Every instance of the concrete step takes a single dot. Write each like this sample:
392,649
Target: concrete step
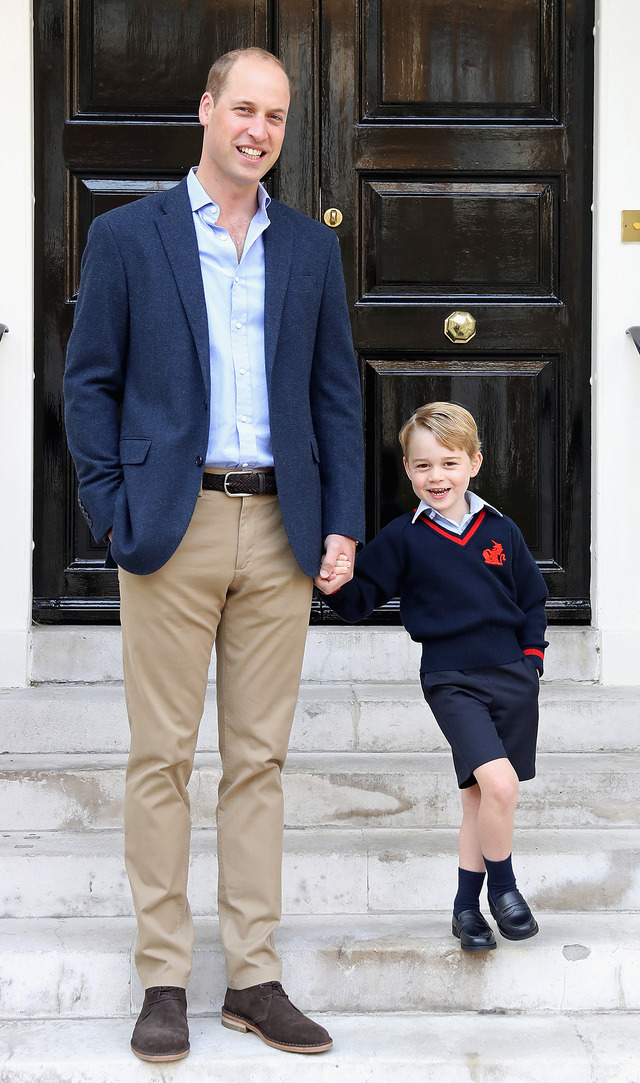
335,652
470,1048
330,717
328,790
373,871
82,967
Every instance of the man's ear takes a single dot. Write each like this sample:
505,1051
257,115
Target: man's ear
476,463
206,105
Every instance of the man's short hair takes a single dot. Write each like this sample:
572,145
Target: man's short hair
451,424
219,70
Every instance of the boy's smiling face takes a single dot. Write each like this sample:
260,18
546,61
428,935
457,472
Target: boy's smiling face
440,475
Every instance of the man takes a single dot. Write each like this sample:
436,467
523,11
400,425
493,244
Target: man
212,399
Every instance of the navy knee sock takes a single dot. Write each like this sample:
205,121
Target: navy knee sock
500,878
469,888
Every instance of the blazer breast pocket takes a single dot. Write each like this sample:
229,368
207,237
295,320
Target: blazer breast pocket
134,450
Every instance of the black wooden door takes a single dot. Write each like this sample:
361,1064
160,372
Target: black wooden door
456,141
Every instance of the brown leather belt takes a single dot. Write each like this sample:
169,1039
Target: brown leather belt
241,482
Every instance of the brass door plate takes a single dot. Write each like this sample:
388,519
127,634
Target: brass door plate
631,225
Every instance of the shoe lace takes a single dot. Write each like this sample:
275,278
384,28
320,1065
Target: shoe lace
167,992
275,989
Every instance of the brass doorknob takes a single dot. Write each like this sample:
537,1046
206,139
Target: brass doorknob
460,327
333,217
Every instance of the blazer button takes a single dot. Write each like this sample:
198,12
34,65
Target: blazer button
199,460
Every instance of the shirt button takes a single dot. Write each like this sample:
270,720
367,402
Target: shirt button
238,325
236,279
243,418
242,372
199,460
245,464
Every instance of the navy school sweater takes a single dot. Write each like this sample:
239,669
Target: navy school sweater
471,600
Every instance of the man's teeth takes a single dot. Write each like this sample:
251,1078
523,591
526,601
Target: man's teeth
250,152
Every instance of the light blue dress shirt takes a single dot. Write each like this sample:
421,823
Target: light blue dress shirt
475,502
239,430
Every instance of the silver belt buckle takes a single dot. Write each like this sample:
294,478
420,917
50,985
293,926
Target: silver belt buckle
230,473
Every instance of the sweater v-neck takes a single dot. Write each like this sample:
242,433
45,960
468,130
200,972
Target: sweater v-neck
458,539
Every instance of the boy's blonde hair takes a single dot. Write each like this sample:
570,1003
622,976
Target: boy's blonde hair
451,424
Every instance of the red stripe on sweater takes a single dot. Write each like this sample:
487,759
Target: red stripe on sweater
454,537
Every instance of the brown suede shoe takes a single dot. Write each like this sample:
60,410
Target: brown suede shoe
162,1031
267,1010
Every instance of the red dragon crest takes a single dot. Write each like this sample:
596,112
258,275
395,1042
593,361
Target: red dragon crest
496,555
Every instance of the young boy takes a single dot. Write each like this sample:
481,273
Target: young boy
472,594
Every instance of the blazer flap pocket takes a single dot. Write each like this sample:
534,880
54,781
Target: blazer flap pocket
134,449
314,449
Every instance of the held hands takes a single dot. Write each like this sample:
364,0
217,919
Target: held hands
337,563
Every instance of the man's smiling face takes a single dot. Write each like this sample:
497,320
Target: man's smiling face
244,130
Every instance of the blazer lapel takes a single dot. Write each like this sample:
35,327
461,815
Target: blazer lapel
178,235
278,252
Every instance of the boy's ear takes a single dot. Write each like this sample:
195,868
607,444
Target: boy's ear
406,466
476,463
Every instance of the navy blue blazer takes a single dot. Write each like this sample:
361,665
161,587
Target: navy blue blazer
137,381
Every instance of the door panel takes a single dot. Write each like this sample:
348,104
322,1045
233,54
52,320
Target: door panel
474,58
480,239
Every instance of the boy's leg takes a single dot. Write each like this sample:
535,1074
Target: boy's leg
468,923
469,848
499,795
499,788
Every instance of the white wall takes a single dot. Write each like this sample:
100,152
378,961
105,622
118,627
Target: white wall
616,382
16,348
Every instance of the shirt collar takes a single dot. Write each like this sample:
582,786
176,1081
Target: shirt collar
476,504
199,198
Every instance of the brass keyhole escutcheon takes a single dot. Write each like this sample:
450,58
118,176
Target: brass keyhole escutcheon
333,217
460,327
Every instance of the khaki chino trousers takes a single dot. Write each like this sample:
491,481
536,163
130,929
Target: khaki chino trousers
235,582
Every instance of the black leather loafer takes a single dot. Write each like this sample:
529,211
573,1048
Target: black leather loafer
472,931
162,1032
514,918
267,1010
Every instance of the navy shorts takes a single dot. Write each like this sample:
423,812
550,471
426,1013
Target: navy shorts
487,714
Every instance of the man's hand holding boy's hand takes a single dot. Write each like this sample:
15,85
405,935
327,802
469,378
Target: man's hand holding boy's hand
337,563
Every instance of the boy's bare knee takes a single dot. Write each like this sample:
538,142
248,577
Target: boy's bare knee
499,784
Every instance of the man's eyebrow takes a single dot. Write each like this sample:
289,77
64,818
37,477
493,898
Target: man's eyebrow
246,101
